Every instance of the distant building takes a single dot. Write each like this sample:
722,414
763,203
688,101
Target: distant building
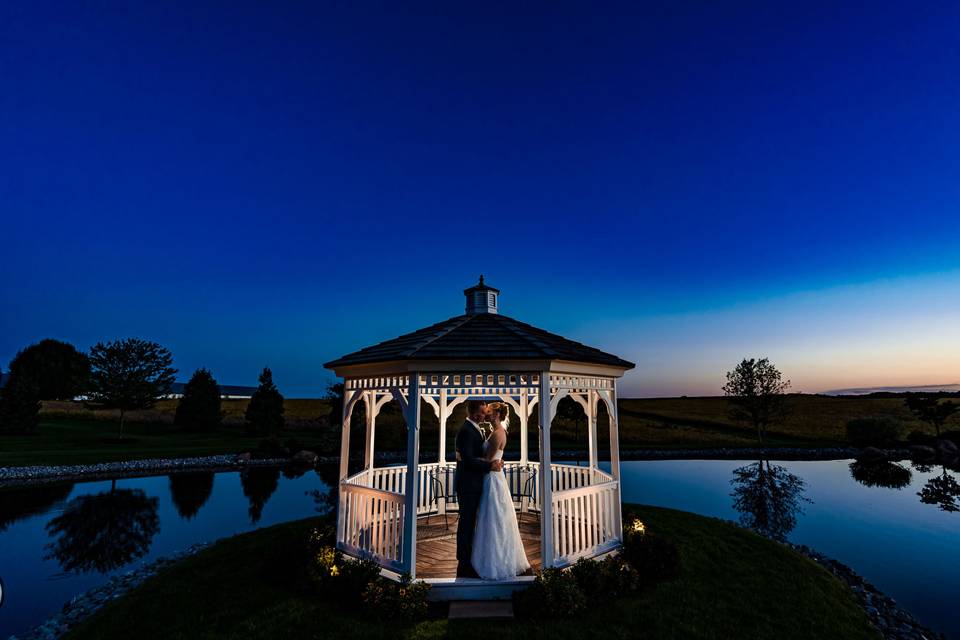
227,391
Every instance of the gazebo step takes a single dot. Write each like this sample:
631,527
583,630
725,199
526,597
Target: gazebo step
460,609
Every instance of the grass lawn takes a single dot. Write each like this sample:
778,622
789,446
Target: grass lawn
733,584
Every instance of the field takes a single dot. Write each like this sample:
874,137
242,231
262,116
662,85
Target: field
71,433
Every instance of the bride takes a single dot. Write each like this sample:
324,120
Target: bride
497,548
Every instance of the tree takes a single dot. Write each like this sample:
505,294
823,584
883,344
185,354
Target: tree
570,410
929,409
105,531
199,408
57,368
189,491
335,397
757,394
129,374
943,491
768,498
265,411
19,405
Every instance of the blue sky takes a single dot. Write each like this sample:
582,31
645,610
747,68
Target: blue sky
682,183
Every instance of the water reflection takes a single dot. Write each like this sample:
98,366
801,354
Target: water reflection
189,491
890,475
104,531
942,490
18,504
768,498
259,483
325,500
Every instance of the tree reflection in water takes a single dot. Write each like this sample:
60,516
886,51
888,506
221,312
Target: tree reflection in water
258,484
105,531
189,491
768,498
942,490
880,474
23,502
325,500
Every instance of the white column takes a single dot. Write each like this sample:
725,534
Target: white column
345,433
410,490
370,404
523,418
615,458
442,416
546,479
592,427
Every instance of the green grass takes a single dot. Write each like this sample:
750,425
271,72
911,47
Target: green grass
733,584
70,433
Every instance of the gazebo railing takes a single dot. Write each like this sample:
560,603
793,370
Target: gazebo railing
370,523
585,521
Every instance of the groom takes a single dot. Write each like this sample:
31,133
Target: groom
471,467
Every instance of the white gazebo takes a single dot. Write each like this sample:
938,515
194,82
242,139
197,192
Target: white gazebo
385,513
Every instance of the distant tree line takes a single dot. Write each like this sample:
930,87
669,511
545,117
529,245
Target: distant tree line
129,374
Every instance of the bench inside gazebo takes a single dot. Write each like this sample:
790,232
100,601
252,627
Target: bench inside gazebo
404,516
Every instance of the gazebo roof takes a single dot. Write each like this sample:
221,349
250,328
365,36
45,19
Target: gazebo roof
480,336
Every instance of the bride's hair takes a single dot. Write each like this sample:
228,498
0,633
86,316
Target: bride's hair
502,409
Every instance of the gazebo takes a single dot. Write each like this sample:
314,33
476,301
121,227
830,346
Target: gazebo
384,512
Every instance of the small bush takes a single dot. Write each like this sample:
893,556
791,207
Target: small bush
553,594
654,558
403,601
874,432
601,580
952,435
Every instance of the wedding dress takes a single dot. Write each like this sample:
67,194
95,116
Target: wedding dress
497,548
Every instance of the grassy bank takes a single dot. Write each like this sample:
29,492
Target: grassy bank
70,433
732,584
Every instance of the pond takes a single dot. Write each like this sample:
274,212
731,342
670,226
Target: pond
60,539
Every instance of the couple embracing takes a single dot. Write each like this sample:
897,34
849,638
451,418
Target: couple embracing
488,537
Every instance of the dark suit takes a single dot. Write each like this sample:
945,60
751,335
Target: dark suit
471,468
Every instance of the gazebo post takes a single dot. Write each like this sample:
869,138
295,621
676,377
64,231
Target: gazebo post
523,418
410,489
345,433
592,427
615,458
442,416
546,475
370,404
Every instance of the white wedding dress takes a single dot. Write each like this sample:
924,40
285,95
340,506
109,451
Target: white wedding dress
497,548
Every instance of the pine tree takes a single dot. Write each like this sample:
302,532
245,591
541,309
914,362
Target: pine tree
265,411
199,408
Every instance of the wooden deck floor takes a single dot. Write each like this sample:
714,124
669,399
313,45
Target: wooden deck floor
437,546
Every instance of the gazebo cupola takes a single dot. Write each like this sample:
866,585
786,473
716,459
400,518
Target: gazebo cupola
383,512
481,298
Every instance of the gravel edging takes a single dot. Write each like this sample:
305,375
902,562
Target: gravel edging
19,476
891,621
89,602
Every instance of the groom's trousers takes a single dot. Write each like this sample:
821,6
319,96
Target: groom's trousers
466,524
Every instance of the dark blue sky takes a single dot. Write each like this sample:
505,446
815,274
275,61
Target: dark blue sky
682,183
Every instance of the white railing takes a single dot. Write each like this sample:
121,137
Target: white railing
370,518
370,524
585,521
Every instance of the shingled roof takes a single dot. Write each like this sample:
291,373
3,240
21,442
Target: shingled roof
481,336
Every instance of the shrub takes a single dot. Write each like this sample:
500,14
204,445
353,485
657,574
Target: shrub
654,558
952,435
601,580
403,601
19,405
921,437
553,594
874,431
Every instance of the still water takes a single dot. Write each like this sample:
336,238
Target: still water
58,540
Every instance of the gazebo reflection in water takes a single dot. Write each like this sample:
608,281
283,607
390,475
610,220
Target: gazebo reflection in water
401,516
